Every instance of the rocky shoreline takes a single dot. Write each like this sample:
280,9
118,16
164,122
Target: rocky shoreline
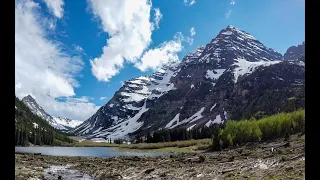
274,160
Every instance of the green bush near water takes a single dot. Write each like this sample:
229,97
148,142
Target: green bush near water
267,128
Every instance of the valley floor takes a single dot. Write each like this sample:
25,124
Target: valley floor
273,160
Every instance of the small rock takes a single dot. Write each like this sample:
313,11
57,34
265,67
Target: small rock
231,158
148,171
289,168
202,158
59,177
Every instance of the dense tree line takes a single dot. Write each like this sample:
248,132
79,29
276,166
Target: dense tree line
118,141
37,136
179,134
235,133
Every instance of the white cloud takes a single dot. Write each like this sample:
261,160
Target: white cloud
78,49
232,3
228,14
56,7
165,52
189,3
42,68
103,98
128,25
192,31
157,17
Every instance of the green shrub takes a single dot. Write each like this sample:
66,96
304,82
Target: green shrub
271,127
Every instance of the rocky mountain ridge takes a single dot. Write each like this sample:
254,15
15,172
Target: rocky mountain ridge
233,76
60,123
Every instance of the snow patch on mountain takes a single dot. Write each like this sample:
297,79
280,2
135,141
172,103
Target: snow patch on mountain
189,128
214,74
217,120
191,119
122,129
213,107
67,122
245,67
175,119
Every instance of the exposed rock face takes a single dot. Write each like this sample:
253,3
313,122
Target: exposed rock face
233,76
295,52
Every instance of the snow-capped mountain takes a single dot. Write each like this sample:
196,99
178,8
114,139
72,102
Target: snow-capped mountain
60,123
226,79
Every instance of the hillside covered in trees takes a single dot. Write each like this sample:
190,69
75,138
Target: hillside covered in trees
30,128
234,133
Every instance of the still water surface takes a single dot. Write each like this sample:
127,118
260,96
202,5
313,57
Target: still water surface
84,151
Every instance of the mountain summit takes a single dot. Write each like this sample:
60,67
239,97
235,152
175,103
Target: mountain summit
57,122
232,77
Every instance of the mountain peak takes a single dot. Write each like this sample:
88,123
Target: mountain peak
295,52
231,27
29,97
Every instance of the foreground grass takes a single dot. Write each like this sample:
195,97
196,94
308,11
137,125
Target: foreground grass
176,146
166,149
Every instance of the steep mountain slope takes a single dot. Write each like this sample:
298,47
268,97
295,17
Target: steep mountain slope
60,123
233,76
32,128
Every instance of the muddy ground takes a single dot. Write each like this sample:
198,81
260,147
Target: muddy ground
273,160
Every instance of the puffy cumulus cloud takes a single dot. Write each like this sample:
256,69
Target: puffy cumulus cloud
42,68
192,31
157,17
165,52
189,2
56,7
128,25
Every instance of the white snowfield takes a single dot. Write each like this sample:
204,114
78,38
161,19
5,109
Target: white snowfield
245,67
214,74
217,120
67,122
122,129
191,119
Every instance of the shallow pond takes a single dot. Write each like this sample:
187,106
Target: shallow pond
84,151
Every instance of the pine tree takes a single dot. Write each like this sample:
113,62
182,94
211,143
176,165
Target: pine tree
20,137
26,137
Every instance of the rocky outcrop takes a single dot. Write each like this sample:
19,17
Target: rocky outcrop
295,52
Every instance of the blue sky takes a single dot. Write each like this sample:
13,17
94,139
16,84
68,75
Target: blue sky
59,44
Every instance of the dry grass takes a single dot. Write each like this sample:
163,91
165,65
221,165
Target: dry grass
178,144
